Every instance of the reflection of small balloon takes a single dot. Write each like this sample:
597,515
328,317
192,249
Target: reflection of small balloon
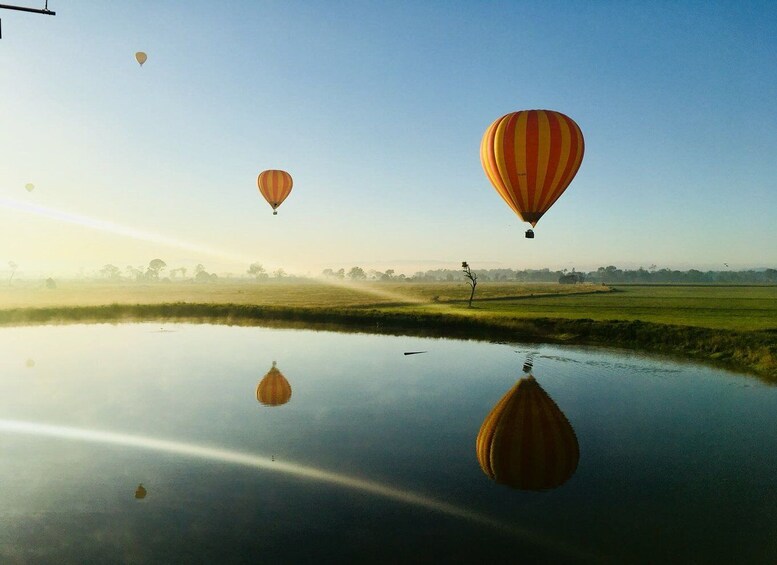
30,363
526,442
29,187
273,389
140,492
275,186
141,57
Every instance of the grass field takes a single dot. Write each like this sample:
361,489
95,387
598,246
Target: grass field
306,293
735,325
741,308
719,307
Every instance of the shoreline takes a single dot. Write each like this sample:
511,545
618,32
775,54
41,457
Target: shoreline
752,352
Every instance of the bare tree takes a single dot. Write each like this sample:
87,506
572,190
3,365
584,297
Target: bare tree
473,280
13,266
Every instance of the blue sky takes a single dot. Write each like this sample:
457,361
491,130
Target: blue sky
377,111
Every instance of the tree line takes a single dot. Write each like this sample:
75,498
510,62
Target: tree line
606,275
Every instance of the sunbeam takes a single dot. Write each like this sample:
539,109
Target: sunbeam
118,229
287,468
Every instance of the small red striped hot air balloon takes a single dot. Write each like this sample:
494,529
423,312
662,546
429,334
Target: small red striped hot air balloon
275,186
526,442
530,157
273,389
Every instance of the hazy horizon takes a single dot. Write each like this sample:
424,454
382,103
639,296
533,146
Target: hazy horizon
377,111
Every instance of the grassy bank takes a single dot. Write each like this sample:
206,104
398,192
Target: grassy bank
752,351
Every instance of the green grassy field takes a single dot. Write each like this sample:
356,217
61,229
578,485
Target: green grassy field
719,307
306,293
734,325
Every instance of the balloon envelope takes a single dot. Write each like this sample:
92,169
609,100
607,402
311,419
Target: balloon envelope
273,389
275,186
526,442
530,157
140,492
141,57
29,187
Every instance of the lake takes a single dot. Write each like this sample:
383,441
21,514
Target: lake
147,443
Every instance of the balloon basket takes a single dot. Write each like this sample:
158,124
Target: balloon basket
274,212
529,234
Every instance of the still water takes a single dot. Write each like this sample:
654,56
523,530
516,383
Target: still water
135,443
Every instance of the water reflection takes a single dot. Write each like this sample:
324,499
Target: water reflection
273,389
140,492
526,442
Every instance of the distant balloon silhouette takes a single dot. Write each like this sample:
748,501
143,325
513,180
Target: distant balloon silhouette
273,389
29,187
140,492
275,187
526,442
141,57
30,363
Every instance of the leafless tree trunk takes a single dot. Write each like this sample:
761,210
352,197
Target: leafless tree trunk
473,280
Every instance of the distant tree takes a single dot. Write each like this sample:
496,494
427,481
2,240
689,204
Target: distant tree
279,273
472,280
155,267
50,284
134,273
388,275
13,266
257,271
357,274
111,272
340,273
328,273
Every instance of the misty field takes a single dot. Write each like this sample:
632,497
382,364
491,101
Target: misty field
742,308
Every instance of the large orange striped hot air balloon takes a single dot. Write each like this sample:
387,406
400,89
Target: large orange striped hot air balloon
526,442
273,389
275,186
530,157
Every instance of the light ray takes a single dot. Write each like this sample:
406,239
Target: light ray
119,229
287,468
372,291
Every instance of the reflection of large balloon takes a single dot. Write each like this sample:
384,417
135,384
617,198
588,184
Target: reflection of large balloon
275,186
526,442
140,492
273,389
530,157
141,57
29,187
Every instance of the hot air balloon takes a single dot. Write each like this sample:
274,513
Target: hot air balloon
140,492
141,57
530,157
273,389
275,186
29,187
526,442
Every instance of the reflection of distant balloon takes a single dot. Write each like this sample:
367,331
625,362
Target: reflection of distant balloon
140,492
141,57
275,186
273,389
30,363
526,442
29,187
